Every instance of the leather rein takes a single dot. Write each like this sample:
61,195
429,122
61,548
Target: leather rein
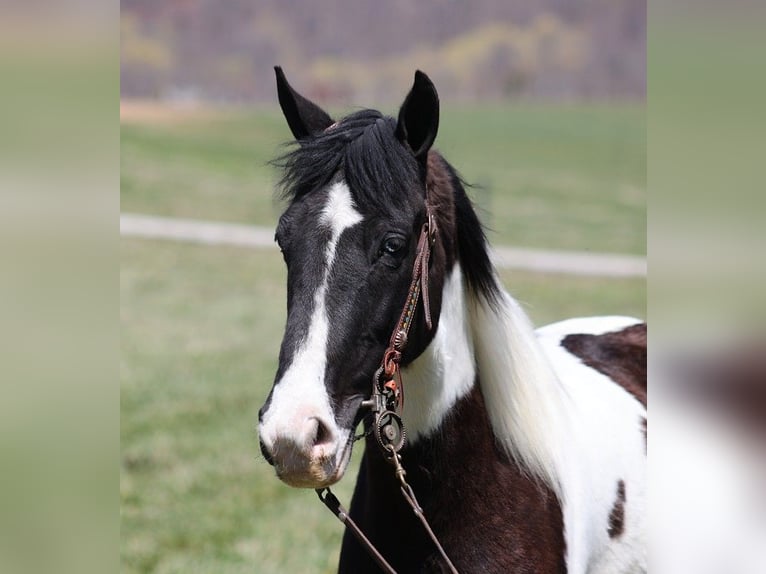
387,398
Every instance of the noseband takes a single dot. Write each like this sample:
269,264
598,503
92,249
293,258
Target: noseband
387,396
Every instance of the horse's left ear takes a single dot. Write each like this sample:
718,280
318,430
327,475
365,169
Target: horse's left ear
304,117
419,116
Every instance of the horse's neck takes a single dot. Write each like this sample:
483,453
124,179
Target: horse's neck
496,344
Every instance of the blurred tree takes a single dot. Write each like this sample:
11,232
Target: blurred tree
367,50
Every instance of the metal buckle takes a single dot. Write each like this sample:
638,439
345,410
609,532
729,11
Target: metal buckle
431,227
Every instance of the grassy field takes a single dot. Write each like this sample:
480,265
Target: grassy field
564,178
201,326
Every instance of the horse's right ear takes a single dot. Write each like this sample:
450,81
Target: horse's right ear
419,116
304,117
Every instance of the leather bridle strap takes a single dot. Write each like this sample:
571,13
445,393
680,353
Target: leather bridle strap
419,283
385,399
332,502
418,288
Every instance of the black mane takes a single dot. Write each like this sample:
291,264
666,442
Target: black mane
380,171
472,244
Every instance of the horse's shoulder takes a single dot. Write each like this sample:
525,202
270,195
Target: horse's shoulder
614,346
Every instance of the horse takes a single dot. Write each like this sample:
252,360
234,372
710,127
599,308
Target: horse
525,449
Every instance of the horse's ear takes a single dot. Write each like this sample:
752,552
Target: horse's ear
303,116
419,116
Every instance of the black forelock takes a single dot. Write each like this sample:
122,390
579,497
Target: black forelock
376,166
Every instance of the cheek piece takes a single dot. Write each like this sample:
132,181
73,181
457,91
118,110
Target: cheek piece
387,386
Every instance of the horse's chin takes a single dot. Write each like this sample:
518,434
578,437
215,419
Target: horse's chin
319,473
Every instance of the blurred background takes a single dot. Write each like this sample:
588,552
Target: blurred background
543,109
365,51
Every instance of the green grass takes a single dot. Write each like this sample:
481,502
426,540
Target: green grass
561,178
201,328
206,169
549,177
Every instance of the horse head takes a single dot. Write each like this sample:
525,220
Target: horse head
357,191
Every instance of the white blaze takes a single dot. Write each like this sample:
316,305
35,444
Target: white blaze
301,394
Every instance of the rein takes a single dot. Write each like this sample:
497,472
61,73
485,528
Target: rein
387,398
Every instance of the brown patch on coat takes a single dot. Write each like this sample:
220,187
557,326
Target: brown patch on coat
617,516
620,355
486,511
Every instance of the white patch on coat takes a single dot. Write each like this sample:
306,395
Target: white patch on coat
444,372
301,393
605,444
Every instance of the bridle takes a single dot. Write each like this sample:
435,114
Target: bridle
387,397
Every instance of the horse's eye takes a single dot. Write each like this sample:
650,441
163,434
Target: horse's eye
392,245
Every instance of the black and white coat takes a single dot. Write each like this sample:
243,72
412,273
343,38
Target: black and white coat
526,448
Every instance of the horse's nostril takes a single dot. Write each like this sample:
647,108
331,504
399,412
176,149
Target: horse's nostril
322,433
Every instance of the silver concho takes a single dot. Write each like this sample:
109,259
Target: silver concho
389,430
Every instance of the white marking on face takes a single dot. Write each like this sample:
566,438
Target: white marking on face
338,214
445,372
300,396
